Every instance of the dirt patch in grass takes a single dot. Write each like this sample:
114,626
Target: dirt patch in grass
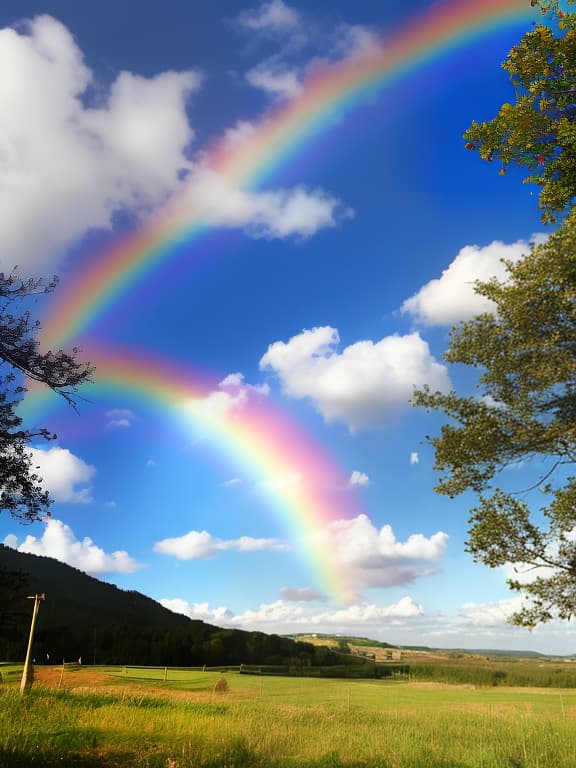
82,681
52,677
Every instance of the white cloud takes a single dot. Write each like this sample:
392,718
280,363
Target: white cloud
490,614
232,482
475,625
282,616
274,16
11,541
120,418
300,594
201,545
450,298
368,613
270,214
232,395
219,616
235,382
363,386
414,458
58,541
354,41
359,479
239,134
278,81
302,44
67,166
65,476
371,557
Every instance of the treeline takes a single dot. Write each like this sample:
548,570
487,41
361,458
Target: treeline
118,644
84,618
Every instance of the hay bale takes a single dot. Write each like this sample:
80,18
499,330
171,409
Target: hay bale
221,685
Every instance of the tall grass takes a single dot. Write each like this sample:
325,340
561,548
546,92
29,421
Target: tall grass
501,672
278,723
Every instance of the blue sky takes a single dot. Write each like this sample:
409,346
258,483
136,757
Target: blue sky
333,305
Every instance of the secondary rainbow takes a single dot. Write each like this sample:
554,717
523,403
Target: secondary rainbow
305,486
328,94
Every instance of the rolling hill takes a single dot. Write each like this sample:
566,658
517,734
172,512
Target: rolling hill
83,617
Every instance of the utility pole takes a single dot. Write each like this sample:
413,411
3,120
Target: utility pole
26,676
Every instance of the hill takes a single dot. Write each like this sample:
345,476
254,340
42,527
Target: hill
83,617
381,651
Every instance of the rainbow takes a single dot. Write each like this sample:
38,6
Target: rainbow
254,436
328,94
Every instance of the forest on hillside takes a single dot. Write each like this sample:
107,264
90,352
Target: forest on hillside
84,618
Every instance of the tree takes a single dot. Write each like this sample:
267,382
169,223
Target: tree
538,131
524,411
21,492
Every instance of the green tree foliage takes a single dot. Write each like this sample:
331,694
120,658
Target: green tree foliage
538,131
21,492
524,411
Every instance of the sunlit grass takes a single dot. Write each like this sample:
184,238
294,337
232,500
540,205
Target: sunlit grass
286,722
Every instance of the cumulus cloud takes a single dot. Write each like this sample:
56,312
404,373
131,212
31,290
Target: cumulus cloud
219,616
363,386
300,594
277,213
120,418
65,476
286,616
274,16
59,541
450,298
359,479
201,545
372,557
67,165
490,614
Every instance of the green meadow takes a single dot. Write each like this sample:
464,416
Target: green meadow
134,717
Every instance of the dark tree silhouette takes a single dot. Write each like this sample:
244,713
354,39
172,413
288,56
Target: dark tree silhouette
21,492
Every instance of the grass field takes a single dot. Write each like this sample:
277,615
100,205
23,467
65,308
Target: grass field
116,717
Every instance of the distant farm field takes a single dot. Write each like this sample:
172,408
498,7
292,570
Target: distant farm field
114,717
